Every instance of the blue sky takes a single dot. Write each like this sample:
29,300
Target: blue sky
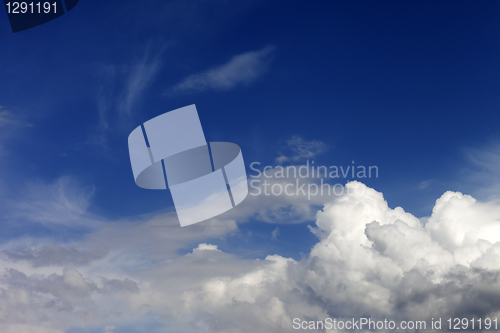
411,87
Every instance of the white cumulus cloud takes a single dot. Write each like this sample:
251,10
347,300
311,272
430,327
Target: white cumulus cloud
370,260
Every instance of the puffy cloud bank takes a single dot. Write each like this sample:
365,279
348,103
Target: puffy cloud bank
369,261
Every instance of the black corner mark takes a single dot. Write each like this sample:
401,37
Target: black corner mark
70,4
28,14
31,13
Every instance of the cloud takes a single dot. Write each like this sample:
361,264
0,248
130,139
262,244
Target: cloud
484,177
120,88
206,247
242,69
424,184
10,127
64,202
42,303
265,202
275,233
8,119
109,329
141,76
370,260
300,150
56,255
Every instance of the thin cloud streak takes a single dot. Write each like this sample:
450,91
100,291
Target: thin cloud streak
485,176
7,118
141,76
120,90
242,69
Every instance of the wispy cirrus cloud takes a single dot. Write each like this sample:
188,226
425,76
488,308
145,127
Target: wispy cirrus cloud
242,69
10,125
141,76
7,118
275,233
484,177
58,206
424,184
121,87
